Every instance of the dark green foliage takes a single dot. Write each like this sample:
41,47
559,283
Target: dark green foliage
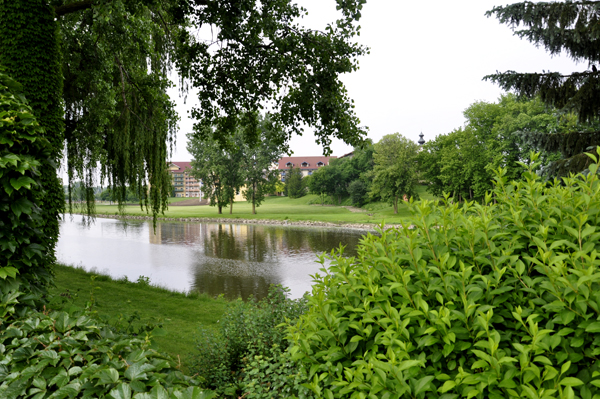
359,193
472,301
560,27
60,354
29,49
295,184
335,179
247,356
260,52
24,154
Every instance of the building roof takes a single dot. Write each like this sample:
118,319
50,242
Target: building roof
297,162
183,166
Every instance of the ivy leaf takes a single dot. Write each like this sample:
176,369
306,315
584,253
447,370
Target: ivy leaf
107,376
23,181
121,391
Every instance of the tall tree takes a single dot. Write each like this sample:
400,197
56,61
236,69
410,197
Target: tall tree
395,172
211,165
569,27
319,183
294,183
259,157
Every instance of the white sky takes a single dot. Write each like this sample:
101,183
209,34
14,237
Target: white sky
426,67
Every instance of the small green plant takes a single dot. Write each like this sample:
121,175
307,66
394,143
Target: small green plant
247,356
143,281
465,300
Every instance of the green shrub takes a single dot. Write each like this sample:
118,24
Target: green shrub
60,355
465,300
247,355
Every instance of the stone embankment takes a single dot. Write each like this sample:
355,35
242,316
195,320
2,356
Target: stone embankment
306,223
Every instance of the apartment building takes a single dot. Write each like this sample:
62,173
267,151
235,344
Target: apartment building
184,184
306,164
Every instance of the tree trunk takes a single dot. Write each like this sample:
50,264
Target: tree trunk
220,210
339,200
396,204
231,206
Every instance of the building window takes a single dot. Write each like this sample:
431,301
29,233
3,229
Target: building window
304,164
319,164
289,164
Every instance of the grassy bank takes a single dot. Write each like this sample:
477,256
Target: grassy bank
117,300
282,208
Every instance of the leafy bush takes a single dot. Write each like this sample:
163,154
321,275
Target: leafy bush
465,300
61,355
247,355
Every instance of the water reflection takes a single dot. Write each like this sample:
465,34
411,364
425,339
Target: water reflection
234,260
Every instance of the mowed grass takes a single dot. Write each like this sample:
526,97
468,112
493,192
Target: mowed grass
181,314
282,208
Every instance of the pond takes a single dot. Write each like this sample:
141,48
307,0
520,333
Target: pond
237,260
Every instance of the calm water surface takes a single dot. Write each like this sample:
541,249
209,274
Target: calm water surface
236,260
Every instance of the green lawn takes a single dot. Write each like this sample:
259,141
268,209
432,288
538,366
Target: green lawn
281,208
180,314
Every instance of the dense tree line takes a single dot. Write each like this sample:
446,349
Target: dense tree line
462,163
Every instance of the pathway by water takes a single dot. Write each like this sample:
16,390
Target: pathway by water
234,260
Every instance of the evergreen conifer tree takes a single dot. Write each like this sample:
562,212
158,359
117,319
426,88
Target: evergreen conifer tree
573,28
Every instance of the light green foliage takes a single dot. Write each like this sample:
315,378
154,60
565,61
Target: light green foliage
465,301
495,135
395,171
258,158
247,356
295,183
60,354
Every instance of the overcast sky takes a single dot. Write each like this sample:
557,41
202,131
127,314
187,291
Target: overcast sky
425,68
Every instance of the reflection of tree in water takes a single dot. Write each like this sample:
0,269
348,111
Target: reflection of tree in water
234,279
240,242
221,242
326,240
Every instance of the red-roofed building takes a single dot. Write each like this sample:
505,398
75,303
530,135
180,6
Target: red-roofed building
184,184
306,164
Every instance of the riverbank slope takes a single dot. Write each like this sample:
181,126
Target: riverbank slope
121,301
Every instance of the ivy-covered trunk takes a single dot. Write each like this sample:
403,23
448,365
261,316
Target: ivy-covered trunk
29,50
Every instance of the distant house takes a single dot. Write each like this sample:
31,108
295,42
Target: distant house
184,184
306,164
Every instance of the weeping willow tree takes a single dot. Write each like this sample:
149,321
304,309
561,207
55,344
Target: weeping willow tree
95,73
573,28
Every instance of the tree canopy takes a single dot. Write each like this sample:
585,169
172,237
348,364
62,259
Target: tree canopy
395,169
571,28
462,163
